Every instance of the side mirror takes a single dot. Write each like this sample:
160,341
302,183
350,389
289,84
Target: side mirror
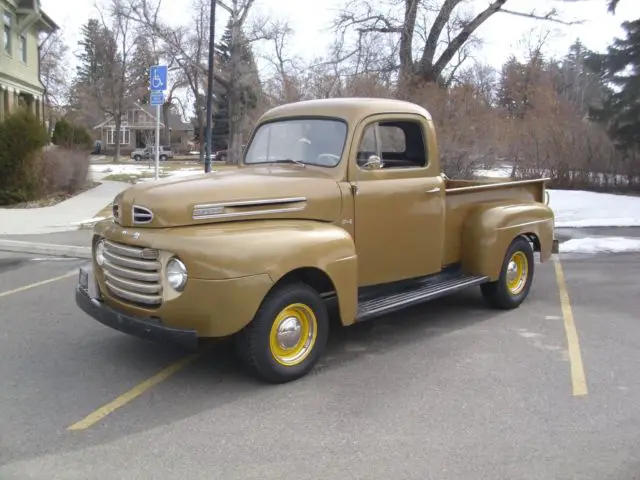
373,163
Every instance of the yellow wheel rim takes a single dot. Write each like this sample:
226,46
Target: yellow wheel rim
293,334
517,272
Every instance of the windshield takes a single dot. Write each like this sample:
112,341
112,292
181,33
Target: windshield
305,141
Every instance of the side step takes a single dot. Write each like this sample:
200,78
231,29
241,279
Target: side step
384,304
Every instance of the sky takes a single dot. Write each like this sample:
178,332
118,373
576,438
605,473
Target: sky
502,34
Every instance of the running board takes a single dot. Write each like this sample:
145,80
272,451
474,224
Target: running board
389,303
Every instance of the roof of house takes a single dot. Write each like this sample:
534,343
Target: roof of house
175,122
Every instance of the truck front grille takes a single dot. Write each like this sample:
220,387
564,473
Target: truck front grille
133,274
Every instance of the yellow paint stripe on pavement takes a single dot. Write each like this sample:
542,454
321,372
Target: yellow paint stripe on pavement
38,284
135,392
578,378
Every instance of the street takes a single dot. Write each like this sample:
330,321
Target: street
449,390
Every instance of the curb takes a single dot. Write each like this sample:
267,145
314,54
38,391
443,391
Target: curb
73,251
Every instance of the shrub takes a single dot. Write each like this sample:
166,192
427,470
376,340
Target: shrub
67,134
22,136
65,170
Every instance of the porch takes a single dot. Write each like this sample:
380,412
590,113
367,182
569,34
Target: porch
12,98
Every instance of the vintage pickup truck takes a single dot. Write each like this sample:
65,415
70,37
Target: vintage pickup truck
338,209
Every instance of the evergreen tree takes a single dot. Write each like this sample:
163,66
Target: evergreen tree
577,83
220,117
141,60
620,67
245,84
91,66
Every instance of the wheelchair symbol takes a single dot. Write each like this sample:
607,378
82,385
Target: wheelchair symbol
158,78
156,82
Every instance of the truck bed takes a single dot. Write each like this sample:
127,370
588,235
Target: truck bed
461,196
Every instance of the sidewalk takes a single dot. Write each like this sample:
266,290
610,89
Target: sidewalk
65,216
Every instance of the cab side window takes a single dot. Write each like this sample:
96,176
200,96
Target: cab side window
399,143
368,145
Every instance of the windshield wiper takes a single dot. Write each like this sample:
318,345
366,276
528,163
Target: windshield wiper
288,160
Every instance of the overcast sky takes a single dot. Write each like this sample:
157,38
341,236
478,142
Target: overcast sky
502,34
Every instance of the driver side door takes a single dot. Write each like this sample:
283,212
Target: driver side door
399,208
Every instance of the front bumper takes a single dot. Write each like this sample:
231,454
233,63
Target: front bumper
134,326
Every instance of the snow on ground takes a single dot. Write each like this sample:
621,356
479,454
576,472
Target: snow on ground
581,209
600,245
502,171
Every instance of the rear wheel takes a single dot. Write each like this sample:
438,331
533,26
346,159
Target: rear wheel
163,158
287,335
137,158
516,276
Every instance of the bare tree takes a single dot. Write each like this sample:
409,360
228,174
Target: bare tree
53,74
399,18
116,91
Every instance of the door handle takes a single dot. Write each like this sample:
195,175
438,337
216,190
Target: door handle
433,190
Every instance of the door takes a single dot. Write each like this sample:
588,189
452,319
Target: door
399,207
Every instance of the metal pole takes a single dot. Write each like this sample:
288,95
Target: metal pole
157,141
212,32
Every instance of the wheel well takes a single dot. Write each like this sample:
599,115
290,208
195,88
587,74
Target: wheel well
533,238
322,283
314,277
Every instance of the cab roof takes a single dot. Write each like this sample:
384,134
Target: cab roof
348,108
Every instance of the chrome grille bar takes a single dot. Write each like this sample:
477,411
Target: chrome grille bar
123,261
135,297
133,274
131,285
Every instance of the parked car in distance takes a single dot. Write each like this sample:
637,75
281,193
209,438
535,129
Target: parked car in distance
150,153
338,209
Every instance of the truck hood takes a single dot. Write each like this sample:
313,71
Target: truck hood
230,195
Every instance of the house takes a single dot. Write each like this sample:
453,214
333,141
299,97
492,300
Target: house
138,130
22,23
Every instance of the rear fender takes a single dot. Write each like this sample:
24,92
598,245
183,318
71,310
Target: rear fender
489,229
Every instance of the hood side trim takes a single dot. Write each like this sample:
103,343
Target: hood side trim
217,210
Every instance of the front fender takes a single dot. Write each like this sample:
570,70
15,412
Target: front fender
490,228
241,249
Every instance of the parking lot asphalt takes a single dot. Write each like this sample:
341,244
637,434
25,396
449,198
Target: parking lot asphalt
447,390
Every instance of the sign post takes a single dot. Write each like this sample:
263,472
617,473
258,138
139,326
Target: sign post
158,85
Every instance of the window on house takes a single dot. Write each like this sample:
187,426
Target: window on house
7,20
23,48
124,137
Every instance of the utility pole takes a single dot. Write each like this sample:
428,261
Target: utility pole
212,31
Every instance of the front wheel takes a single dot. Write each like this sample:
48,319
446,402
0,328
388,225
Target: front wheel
287,335
516,276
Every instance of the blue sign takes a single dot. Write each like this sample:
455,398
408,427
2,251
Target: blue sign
157,98
158,78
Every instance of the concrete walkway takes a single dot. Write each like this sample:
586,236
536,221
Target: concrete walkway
64,216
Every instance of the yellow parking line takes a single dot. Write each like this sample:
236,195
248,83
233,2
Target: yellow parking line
37,284
578,378
135,392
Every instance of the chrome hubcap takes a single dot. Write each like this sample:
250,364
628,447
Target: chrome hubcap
289,332
512,272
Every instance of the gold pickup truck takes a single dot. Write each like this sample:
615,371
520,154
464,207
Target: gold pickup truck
339,209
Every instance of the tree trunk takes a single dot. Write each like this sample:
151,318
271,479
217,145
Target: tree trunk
116,155
234,96
166,137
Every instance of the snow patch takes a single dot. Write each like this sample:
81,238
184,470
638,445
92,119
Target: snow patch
600,245
581,209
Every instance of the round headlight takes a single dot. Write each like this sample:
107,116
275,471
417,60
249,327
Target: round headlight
176,274
100,252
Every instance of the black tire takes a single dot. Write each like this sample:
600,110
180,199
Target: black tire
163,158
254,343
500,294
137,158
